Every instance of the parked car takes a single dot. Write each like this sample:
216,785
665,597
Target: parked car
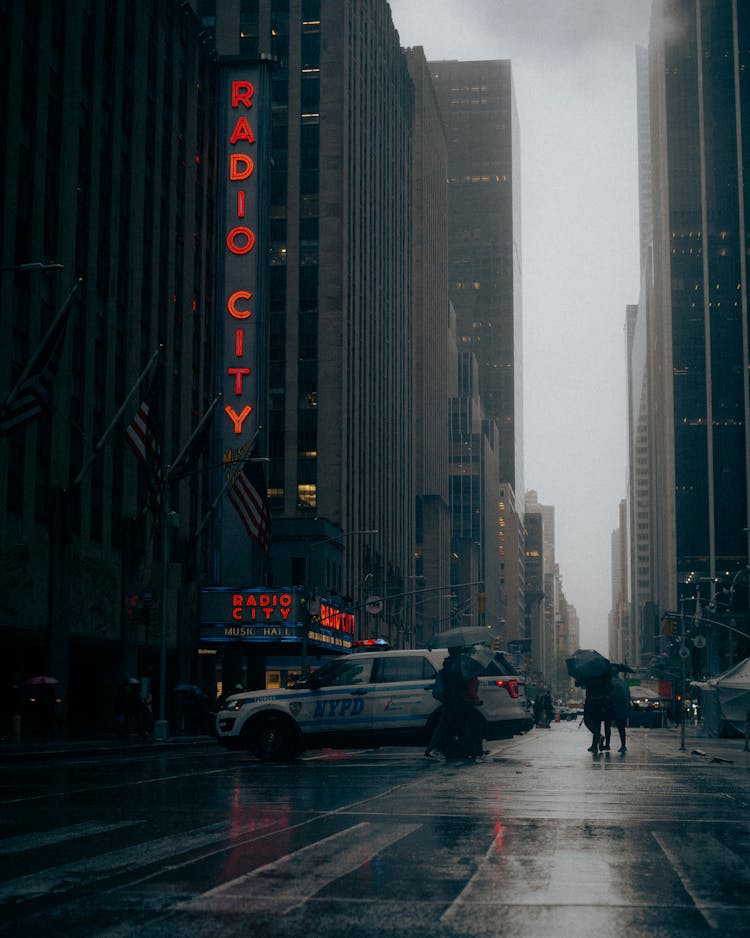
364,699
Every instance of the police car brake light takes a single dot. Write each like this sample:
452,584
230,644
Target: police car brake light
511,686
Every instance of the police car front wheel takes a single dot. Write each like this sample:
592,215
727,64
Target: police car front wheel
274,739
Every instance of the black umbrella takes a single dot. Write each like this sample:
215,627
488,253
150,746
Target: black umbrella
461,638
474,661
586,665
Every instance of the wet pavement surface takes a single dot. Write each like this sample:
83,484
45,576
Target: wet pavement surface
542,839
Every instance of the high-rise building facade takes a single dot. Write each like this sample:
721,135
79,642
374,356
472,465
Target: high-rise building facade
107,168
340,429
699,414
431,356
477,102
478,108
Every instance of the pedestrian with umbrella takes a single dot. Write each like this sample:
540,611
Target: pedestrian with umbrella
618,709
461,727
592,671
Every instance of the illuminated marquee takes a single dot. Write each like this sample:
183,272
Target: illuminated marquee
272,615
336,619
241,264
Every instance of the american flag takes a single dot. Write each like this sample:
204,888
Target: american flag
30,398
249,497
142,436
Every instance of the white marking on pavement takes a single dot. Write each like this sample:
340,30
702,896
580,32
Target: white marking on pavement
59,835
289,882
58,879
704,867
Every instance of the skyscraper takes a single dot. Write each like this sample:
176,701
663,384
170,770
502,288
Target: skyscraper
478,107
341,476
696,302
477,102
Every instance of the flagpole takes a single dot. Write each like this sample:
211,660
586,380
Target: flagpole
194,436
97,449
41,348
161,726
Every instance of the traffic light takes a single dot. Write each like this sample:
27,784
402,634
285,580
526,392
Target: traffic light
670,628
133,610
481,603
496,644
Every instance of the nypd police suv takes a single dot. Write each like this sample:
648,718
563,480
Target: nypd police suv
364,699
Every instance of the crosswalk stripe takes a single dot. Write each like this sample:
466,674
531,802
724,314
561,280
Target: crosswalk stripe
289,882
58,879
59,835
708,870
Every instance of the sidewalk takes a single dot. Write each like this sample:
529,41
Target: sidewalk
12,752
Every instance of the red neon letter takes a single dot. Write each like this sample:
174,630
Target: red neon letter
242,131
239,313
240,204
238,419
234,247
238,373
235,171
239,338
242,93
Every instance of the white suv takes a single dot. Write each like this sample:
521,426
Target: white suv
363,699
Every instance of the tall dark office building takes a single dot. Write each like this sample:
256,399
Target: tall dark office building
106,167
341,476
478,106
697,299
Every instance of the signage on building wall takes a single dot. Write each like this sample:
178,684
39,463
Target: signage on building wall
250,606
269,615
241,213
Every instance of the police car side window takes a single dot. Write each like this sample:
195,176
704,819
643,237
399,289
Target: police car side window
406,668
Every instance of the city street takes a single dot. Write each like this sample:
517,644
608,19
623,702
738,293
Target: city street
542,839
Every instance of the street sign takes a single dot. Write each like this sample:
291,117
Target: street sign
699,641
684,651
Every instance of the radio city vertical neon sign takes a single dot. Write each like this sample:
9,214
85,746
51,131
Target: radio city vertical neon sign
241,215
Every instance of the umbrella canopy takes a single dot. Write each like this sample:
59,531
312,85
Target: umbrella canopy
586,665
475,660
42,679
460,638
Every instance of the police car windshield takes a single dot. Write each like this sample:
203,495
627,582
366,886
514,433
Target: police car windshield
349,670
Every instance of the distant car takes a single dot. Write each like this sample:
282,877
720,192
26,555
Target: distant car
645,711
364,699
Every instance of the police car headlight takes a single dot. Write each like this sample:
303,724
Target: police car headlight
236,704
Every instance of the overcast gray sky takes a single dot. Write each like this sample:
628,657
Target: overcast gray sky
573,67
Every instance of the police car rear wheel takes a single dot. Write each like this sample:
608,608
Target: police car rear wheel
274,740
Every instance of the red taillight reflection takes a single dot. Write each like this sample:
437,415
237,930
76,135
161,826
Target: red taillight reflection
511,686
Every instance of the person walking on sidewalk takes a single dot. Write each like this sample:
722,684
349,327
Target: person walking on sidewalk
595,707
617,710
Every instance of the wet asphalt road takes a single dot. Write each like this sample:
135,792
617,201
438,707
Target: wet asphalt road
543,839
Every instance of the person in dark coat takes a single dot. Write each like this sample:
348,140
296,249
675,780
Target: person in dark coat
618,709
595,707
